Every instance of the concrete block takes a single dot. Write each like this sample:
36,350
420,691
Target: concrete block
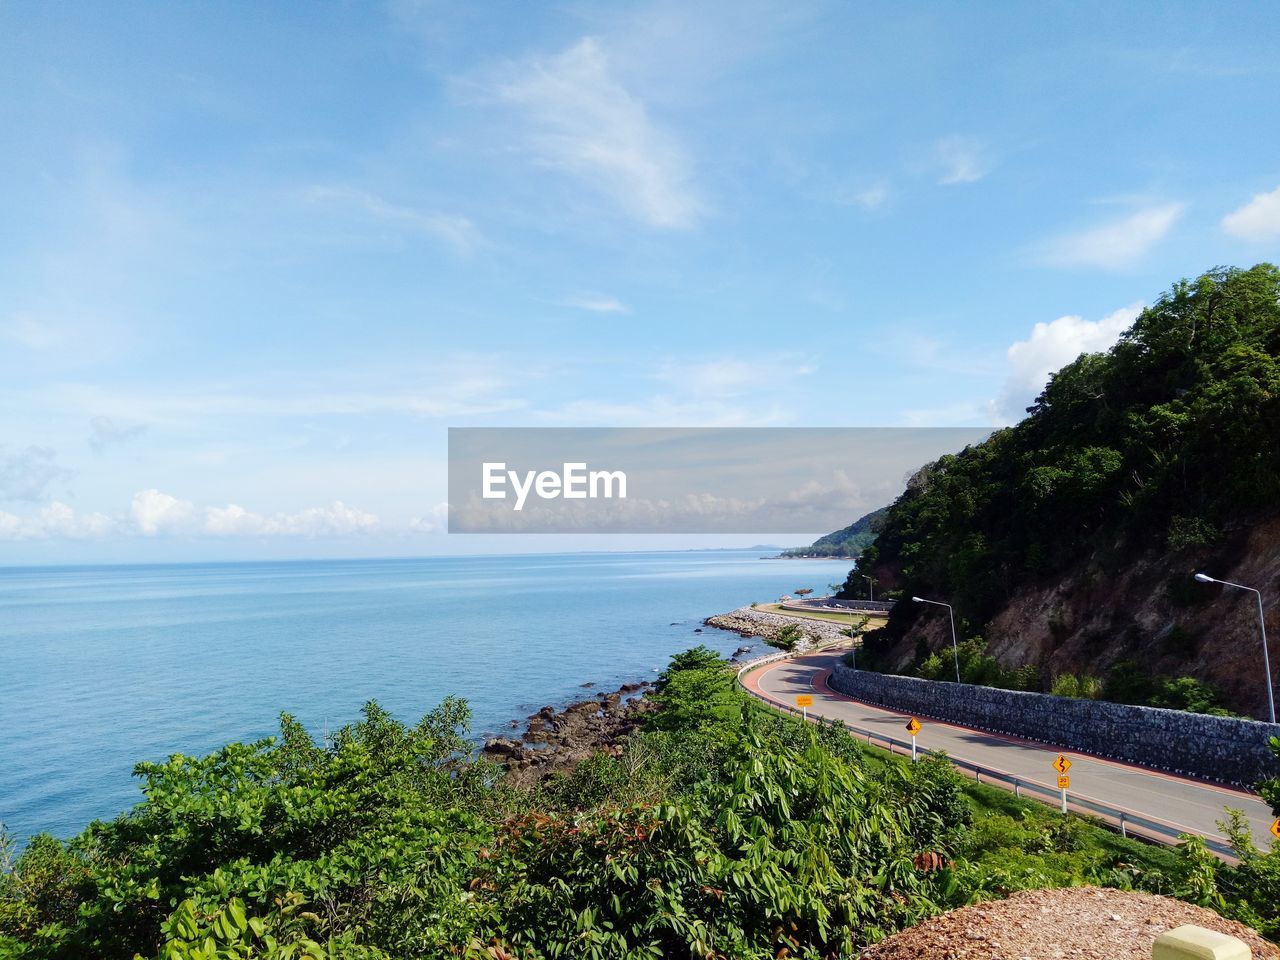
1196,943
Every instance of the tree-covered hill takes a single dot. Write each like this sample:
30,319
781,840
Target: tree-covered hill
1078,528
849,541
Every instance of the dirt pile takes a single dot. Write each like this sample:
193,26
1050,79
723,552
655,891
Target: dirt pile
1078,923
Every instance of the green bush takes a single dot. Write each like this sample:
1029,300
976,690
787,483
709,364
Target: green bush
787,637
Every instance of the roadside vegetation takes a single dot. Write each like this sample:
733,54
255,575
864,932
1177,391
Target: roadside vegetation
723,829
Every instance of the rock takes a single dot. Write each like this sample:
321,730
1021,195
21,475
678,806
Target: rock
749,623
588,685
697,629
556,740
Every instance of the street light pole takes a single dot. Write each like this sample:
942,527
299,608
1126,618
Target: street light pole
955,649
1262,624
871,588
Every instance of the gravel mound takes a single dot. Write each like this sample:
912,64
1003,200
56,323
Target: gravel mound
1076,923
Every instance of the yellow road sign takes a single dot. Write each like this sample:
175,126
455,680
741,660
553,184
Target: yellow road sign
1064,782
913,726
804,700
1062,764
1275,829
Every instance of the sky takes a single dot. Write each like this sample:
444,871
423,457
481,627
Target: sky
257,259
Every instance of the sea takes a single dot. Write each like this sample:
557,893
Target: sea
105,666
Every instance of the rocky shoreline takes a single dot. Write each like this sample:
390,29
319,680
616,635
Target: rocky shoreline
555,741
748,622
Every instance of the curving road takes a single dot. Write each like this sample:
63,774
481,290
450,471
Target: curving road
1176,803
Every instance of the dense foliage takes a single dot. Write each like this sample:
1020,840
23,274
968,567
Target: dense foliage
849,541
723,830
1165,442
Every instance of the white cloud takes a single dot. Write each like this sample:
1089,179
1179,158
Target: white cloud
26,331
106,431
1050,347
156,513
1259,219
153,512
963,160
58,519
55,520
664,410
11,526
730,377
26,474
449,388
870,198
1115,244
335,520
725,392
585,122
435,521
596,303
457,231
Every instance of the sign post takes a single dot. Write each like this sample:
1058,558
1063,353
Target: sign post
913,727
804,701
1062,765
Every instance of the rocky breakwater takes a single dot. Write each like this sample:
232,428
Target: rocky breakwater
555,741
749,622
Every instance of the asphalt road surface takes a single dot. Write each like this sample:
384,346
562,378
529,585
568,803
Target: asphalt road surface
1180,804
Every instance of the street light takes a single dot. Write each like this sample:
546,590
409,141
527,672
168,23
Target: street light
1262,623
955,650
871,587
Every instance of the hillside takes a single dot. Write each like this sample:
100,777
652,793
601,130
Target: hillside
849,541
1069,540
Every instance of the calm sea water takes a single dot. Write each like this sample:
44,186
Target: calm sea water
101,667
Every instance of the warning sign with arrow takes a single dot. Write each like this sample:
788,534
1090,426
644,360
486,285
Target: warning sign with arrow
1062,764
913,726
1275,829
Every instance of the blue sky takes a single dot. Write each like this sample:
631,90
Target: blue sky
257,258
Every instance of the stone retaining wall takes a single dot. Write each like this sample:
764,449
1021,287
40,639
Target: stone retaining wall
1214,748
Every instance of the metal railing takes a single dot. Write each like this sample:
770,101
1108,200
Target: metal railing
1124,820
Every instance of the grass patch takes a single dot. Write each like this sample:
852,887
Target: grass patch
844,618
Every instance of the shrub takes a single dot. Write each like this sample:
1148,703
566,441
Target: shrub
787,637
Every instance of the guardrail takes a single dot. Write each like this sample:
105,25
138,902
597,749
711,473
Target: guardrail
1124,820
